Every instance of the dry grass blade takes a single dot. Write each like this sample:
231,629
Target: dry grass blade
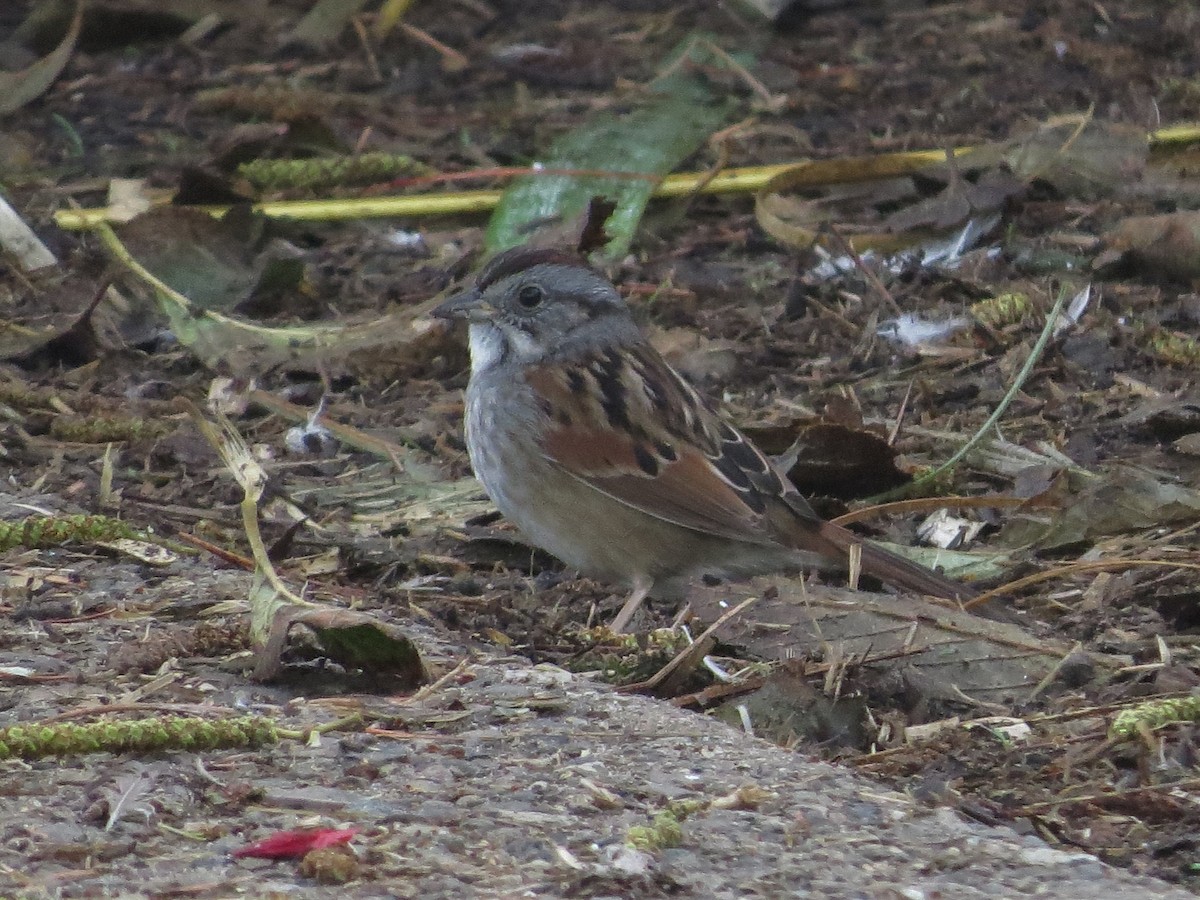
926,504
355,639
1076,568
993,420
269,595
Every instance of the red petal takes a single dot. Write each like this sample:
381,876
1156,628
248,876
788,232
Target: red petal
290,844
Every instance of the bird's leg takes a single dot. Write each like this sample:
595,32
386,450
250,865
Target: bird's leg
641,589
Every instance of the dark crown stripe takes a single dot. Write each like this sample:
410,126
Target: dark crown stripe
518,259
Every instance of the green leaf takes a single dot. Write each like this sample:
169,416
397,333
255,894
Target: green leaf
679,113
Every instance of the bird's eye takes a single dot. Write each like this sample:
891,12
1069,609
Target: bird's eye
530,296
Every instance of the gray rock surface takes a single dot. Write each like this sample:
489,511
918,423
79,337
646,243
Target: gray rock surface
531,816
505,780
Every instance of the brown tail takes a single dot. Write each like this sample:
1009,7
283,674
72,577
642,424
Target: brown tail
895,570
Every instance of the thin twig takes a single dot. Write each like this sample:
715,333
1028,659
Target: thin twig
872,279
685,655
1103,565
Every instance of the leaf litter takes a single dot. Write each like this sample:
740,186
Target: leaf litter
1091,537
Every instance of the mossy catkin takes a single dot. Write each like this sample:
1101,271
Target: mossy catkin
22,396
667,828
1155,714
311,174
1171,347
104,430
1003,309
143,735
665,832
280,102
36,532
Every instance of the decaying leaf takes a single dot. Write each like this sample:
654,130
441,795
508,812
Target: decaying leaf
212,263
246,347
358,641
19,88
830,459
877,207
946,654
1080,157
1115,502
961,565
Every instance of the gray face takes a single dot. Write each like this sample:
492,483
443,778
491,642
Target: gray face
548,311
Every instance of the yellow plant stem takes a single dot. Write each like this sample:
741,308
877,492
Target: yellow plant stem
731,181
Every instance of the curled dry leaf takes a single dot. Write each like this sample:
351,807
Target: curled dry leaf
355,640
244,346
1165,247
861,196
692,353
19,88
831,460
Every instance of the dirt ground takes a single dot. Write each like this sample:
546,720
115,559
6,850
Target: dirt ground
1093,479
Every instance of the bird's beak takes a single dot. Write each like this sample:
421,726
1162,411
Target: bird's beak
468,305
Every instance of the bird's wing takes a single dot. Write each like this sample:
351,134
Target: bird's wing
622,421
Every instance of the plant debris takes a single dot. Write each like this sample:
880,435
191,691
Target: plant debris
345,639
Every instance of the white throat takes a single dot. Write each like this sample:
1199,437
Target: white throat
490,343
486,344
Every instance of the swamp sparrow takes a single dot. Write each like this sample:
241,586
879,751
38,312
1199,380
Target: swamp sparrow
588,441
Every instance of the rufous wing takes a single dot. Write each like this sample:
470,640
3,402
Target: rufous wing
625,423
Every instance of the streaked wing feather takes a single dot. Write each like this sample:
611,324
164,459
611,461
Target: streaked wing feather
685,492
627,425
